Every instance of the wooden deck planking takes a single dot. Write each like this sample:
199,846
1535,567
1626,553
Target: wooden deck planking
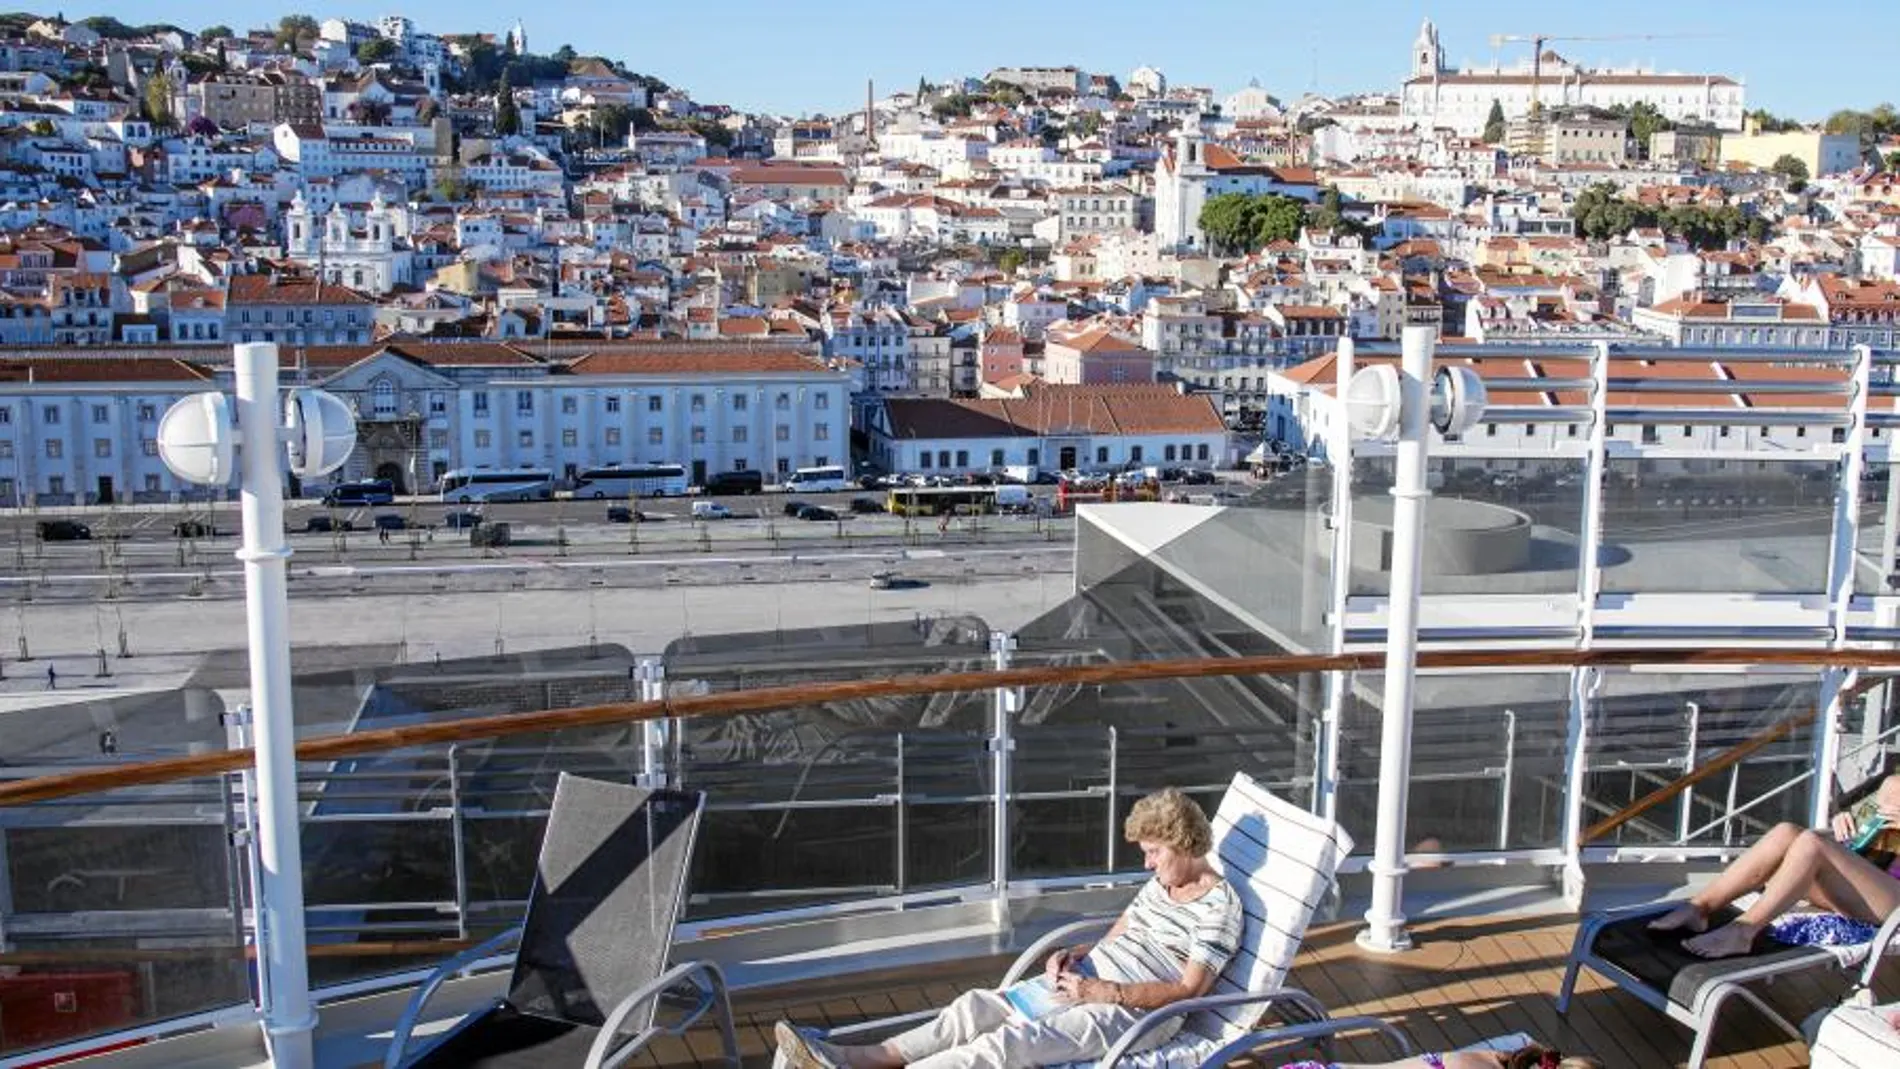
1467,980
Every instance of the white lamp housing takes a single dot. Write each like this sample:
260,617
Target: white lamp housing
1373,401
321,432
1458,400
195,439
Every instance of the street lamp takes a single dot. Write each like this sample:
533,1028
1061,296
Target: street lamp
204,439
1383,402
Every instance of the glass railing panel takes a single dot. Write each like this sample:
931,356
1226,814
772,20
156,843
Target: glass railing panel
1487,769
1874,568
1492,525
124,910
1717,526
1647,729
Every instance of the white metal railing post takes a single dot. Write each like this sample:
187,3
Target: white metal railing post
1339,449
1843,562
458,830
1686,819
1509,780
291,1016
1584,686
1385,921
1828,729
651,673
1595,476
1006,703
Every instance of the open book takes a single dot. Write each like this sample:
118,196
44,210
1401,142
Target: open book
1037,997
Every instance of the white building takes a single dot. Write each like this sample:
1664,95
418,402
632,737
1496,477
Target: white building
366,250
1084,428
1435,96
84,429
1192,170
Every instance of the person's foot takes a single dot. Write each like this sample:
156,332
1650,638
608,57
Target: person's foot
805,1052
1725,942
1686,918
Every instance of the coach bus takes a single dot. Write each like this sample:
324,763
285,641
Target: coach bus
639,480
467,485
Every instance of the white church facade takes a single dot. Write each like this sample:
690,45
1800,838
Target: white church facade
1435,96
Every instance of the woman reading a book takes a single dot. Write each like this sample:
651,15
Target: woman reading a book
1170,944
1851,872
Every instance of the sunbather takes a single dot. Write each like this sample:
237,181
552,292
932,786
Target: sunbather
1534,1056
1791,864
1170,944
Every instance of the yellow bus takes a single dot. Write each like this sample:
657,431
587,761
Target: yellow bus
938,500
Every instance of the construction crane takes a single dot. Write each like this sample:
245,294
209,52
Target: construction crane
1539,40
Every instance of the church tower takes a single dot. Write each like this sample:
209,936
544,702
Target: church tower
1428,56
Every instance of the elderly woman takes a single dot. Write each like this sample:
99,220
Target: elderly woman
1169,944
1851,872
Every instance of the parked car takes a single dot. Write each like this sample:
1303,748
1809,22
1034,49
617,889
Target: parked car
462,519
325,525
710,510
193,529
63,531
389,521
793,508
816,512
883,580
866,505
624,514
1198,477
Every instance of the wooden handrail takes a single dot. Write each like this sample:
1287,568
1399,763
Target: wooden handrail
771,699
1720,763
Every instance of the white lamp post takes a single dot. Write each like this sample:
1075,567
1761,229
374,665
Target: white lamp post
1384,402
197,439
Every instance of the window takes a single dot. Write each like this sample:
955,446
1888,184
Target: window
6,450
55,448
438,439
943,458
819,460
923,459
524,402
1101,454
784,465
50,415
1723,433
1035,456
783,403
996,458
570,405
102,447
654,403
481,404
526,439
6,415
613,403
699,436
613,436
741,464
821,432
101,414
151,484
1201,451
484,439
1134,454
738,402
783,432
699,402
655,436
1167,453
570,437
821,402
56,484
383,398
738,434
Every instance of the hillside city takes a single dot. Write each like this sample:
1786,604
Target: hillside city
510,258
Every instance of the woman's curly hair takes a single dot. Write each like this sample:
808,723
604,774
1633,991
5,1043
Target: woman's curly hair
1172,819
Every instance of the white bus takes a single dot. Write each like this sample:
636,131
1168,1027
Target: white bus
466,485
816,480
640,480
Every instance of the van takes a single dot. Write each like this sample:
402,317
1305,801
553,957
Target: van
710,510
1013,498
735,483
816,481
365,492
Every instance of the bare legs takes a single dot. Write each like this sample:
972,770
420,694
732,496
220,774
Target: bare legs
1788,865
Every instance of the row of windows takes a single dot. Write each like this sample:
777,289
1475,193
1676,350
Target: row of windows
50,414
101,448
351,319
943,458
570,438
524,402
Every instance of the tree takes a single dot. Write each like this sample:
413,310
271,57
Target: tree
294,30
41,128
378,50
1792,171
1009,260
217,32
507,115
923,88
1772,124
158,101
201,126
369,112
1237,222
1494,124
1645,122
564,55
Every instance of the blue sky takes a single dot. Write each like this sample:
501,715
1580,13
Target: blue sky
813,56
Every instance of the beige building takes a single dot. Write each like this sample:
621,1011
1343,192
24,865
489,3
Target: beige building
1571,140
1823,153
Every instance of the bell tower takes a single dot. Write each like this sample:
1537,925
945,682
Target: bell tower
1428,56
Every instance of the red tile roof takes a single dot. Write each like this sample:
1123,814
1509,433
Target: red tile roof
1111,410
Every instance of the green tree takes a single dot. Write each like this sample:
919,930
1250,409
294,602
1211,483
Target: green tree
1494,124
923,88
1645,122
215,32
158,101
1792,171
564,55
1772,124
1010,259
378,50
1237,223
293,31
507,115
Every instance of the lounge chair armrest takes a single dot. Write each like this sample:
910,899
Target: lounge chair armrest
1154,1018
1315,1030
1887,940
604,1054
1041,948
412,1012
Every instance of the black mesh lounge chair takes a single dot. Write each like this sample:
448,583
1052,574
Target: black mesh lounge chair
1619,946
591,962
